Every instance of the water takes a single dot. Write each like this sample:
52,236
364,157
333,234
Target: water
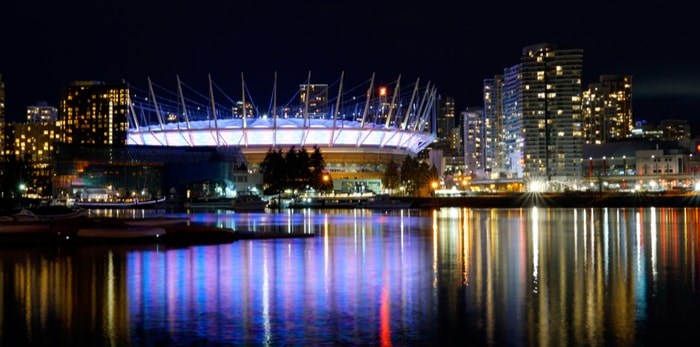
532,277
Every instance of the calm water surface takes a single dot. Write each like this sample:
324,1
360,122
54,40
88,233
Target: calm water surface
535,277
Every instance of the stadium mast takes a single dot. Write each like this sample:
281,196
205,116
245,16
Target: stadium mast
274,111
245,123
213,111
337,107
182,101
393,102
419,112
184,109
155,104
369,96
410,105
306,99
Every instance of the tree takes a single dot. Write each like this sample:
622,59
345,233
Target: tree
416,176
422,179
14,172
409,167
304,174
273,169
318,165
291,163
391,177
293,170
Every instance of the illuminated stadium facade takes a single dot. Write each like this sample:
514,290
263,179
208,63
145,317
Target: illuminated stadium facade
358,131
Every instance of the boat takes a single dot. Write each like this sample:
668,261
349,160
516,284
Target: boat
328,201
248,202
220,202
119,204
385,202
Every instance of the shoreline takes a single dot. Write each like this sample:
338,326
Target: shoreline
68,232
566,200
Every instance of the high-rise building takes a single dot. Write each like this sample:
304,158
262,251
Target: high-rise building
607,109
238,110
473,120
33,143
317,100
41,113
513,155
675,129
94,113
445,119
542,136
493,133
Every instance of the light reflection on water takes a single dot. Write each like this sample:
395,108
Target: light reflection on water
490,276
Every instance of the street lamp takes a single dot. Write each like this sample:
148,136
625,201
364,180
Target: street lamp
324,182
22,187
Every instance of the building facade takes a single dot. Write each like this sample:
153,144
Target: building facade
445,120
41,113
317,95
94,113
674,129
493,145
33,145
513,156
552,123
533,122
607,109
473,120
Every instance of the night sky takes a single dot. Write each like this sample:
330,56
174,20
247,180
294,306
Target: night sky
456,44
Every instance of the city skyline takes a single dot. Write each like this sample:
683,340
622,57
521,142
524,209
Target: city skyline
454,48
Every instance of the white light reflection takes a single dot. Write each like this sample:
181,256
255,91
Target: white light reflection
364,224
653,245
593,231
354,228
535,248
325,245
575,236
401,227
640,288
585,238
466,234
266,301
606,244
435,250
110,300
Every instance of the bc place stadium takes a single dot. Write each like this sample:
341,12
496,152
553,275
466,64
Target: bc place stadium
358,129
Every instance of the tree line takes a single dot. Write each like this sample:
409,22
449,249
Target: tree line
296,170
415,176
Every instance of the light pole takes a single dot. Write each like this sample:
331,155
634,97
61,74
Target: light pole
22,188
434,185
